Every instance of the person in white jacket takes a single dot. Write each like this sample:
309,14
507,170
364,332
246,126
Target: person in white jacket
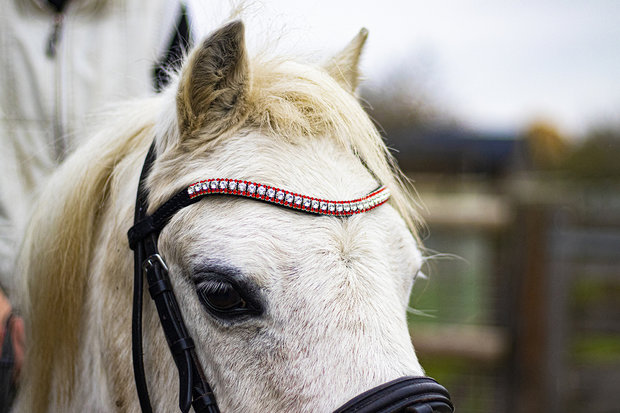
61,60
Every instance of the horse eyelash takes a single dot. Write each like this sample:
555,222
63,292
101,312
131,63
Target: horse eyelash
213,286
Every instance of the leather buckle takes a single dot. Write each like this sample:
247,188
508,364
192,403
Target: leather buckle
152,261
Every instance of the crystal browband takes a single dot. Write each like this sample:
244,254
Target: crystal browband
287,198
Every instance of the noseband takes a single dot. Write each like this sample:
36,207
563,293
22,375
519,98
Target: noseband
407,394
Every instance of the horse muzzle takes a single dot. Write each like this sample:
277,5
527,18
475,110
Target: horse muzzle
408,394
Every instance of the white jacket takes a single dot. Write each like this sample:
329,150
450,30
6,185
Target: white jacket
106,52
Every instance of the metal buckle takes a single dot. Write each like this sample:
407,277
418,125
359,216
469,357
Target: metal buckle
151,261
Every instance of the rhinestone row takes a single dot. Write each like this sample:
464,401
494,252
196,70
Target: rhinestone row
287,198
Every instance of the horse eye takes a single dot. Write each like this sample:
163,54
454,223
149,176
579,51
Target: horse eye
221,297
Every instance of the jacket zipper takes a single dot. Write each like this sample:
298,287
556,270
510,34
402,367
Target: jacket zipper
53,44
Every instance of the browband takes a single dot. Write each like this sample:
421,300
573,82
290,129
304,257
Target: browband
193,193
287,198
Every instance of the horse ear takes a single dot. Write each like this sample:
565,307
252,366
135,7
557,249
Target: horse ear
344,67
214,84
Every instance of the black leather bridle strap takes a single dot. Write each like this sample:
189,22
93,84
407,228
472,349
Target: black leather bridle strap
407,395
153,224
194,389
136,320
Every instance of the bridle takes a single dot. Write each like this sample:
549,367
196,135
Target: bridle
407,394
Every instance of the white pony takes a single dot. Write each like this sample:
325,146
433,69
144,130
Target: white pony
333,291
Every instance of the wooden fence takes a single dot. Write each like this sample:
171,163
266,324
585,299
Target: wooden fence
549,338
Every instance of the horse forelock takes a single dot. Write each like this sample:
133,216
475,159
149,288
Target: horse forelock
292,102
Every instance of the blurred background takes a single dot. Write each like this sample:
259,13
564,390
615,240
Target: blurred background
506,115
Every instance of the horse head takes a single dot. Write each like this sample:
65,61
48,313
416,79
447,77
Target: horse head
288,310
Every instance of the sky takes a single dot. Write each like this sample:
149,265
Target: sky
493,65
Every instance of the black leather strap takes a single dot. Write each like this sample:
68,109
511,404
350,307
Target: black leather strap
139,231
136,319
181,345
159,287
193,387
153,224
407,394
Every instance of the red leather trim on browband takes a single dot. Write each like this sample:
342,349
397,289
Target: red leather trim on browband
289,199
